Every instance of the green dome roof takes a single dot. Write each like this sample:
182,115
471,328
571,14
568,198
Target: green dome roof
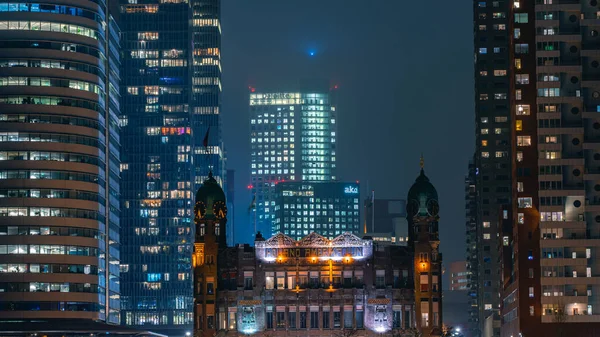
210,189
422,186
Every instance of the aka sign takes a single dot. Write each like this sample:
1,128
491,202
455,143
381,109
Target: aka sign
351,189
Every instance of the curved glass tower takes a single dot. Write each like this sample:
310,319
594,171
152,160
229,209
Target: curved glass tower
59,161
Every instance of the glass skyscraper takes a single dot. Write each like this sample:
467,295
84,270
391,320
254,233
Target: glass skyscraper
171,97
326,208
292,138
59,162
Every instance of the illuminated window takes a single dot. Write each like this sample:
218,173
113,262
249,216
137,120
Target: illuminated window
517,64
523,109
484,143
152,9
486,236
148,36
522,78
518,94
519,125
49,27
487,306
549,92
531,292
498,131
521,48
500,72
486,224
521,18
525,202
485,154
523,140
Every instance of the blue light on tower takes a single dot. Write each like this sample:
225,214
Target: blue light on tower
312,53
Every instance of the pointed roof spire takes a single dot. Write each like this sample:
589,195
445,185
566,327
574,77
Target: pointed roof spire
422,162
210,175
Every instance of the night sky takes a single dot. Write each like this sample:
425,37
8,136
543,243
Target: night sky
405,76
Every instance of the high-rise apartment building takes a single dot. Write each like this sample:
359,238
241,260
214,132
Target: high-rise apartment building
59,162
493,148
549,240
472,253
171,139
326,208
292,137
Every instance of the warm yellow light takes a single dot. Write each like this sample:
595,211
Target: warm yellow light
280,258
313,259
348,259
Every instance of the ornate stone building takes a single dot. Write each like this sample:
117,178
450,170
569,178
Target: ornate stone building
423,215
346,286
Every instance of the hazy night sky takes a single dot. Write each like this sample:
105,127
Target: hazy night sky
404,70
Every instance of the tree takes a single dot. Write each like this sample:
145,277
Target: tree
560,316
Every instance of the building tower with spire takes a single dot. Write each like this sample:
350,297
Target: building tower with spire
210,238
423,216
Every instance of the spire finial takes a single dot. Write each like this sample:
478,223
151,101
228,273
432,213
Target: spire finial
422,162
210,175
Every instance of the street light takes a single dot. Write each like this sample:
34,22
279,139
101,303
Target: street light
188,333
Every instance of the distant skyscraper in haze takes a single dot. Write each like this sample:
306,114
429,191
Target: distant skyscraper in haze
170,138
59,163
292,138
230,193
459,276
456,300
385,220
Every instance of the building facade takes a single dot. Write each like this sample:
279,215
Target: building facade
549,245
472,253
171,139
459,276
422,214
59,164
326,208
292,138
344,286
493,146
